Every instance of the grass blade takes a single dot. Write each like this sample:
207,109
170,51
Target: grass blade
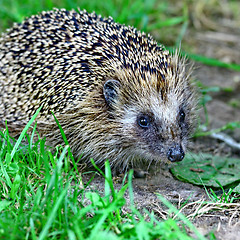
24,132
212,61
207,60
52,216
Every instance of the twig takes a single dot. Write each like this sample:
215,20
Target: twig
227,139
223,137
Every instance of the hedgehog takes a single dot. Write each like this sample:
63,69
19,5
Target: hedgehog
116,92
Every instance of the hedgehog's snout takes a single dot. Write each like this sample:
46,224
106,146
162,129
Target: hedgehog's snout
175,153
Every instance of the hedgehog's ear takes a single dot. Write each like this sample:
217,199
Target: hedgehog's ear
110,90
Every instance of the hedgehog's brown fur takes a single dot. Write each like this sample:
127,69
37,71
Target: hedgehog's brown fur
60,60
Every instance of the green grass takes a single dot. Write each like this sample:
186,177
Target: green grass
43,197
142,14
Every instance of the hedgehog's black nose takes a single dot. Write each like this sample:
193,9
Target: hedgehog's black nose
175,153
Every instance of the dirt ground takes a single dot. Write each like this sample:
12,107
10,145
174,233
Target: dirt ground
224,223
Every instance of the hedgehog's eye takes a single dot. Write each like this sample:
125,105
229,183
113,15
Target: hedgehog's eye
181,116
144,121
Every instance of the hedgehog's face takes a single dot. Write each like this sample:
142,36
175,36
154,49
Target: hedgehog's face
152,128
162,139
